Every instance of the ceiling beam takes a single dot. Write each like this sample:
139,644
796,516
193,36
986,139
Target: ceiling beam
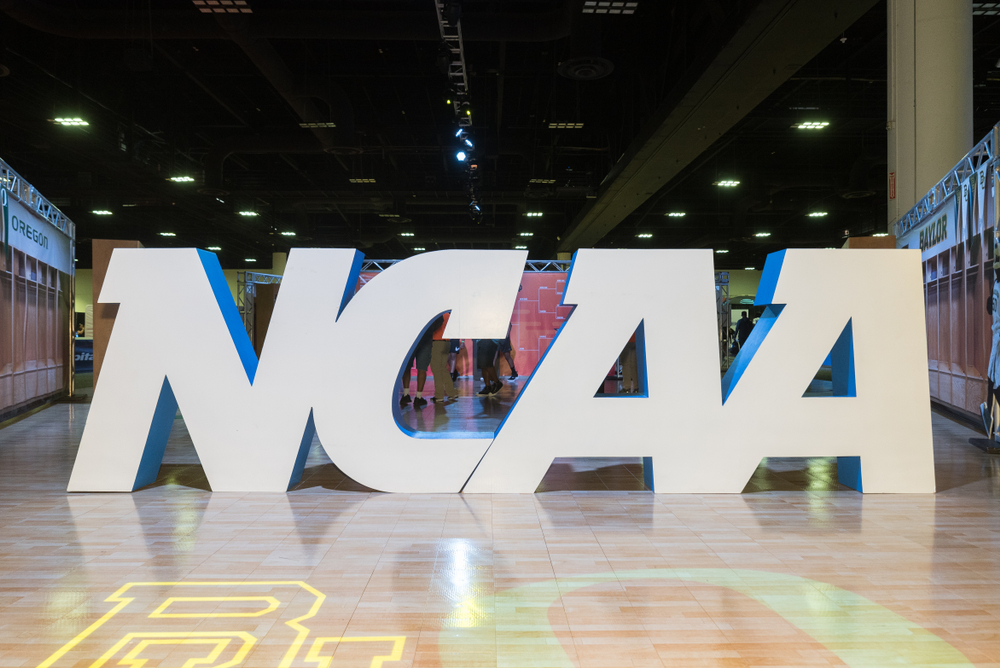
778,38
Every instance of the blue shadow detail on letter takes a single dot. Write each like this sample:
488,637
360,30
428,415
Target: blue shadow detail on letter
229,313
303,454
765,297
156,440
352,281
849,472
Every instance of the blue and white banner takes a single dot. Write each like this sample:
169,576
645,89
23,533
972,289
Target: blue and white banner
83,358
30,233
939,231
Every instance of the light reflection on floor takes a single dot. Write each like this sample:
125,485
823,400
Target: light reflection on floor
796,571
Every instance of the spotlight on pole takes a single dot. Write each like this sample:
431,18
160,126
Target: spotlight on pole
460,156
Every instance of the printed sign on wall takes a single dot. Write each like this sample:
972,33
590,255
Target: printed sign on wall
941,230
33,235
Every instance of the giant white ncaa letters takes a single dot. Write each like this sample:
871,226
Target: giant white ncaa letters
331,363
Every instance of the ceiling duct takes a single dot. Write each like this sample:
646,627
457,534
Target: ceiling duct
216,157
585,62
70,19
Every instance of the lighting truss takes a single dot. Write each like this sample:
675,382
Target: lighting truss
547,182
317,125
811,125
361,180
601,7
565,126
451,36
222,6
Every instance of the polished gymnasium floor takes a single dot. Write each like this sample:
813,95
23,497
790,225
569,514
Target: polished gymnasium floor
591,571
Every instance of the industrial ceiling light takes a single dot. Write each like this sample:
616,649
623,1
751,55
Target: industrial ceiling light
544,181
288,234
644,235
763,234
811,125
461,156
565,126
676,214
526,234
533,214
406,234
214,248
601,7
101,212
749,269
361,180
167,234
70,121
249,259
727,183
818,214
520,248
388,215
881,234
181,179
222,6
317,125
721,251
249,214
419,248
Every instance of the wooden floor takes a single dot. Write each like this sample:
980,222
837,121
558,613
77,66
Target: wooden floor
592,571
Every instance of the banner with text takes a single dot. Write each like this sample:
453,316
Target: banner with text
30,233
941,230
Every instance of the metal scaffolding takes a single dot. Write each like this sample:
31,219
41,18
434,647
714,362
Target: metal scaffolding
246,295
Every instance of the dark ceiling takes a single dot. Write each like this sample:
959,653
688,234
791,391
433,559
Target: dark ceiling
170,91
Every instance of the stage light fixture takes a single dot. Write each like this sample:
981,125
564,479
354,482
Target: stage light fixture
167,234
101,212
461,156
288,234
468,142
720,251
214,248
644,235
818,214
728,183
181,179
762,234
526,234
249,214
676,214
596,7
459,132
811,125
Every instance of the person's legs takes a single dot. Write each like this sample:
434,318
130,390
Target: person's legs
423,356
510,363
405,381
630,380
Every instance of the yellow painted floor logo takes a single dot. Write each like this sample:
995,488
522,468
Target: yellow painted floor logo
217,625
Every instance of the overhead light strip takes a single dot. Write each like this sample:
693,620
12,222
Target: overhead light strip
222,6
601,7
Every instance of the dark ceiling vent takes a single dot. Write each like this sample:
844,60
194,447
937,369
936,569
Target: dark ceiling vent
586,68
